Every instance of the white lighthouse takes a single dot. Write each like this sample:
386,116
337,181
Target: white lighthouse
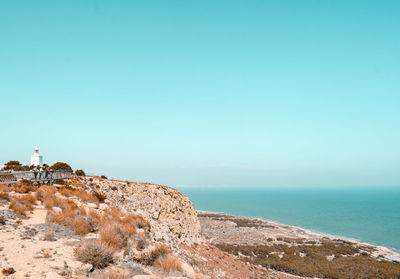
36,159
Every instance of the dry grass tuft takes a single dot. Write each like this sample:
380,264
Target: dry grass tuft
4,196
169,263
97,255
70,216
24,186
96,217
49,200
28,200
69,191
4,188
82,210
158,252
49,236
161,250
100,197
7,271
112,237
113,275
46,254
23,204
81,226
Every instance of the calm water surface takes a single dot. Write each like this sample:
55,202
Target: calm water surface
367,214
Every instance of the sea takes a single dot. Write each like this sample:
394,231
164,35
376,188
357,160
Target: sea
365,214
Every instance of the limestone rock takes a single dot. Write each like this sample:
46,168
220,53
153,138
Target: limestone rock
171,213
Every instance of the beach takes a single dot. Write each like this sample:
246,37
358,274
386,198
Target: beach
293,249
230,229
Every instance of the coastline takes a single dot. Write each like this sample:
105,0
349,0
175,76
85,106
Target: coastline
273,231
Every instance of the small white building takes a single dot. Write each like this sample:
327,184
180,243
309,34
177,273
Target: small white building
36,159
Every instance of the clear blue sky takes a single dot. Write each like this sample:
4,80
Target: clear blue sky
205,93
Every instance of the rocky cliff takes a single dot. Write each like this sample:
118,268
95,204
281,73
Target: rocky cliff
170,212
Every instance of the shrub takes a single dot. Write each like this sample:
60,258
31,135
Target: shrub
100,197
22,204
4,196
49,236
2,220
23,168
45,190
24,186
97,255
169,263
313,261
112,237
80,173
11,165
18,208
161,250
69,191
46,254
28,200
50,200
81,226
8,271
4,188
113,275
149,258
96,217
70,216
61,166
104,177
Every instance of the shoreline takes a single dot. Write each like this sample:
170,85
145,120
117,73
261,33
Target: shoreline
281,230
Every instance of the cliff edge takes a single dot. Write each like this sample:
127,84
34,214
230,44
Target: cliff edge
170,212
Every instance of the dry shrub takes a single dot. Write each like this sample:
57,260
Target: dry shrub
50,200
46,254
23,204
44,190
100,197
49,236
141,223
18,208
4,196
28,200
70,216
82,210
4,188
313,261
69,191
141,243
112,237
169,263
115,213
129,229
2,220
24,186
158,252
81,226
113,275
99,256
8,271
96,217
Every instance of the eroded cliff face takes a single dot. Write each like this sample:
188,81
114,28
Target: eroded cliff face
170,212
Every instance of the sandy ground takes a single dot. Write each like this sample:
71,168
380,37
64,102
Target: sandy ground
24,249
